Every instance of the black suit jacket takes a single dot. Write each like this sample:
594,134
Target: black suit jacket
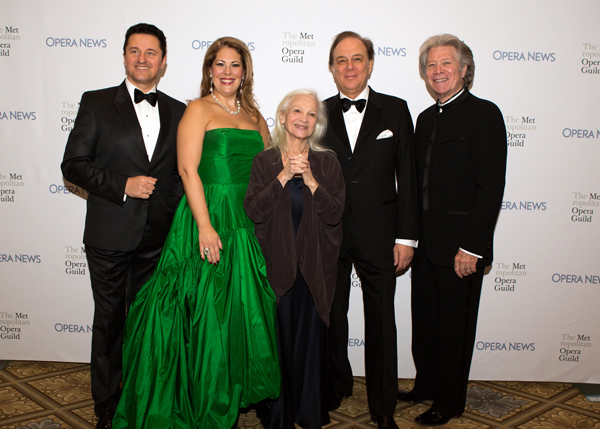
380,212
464,177
104,149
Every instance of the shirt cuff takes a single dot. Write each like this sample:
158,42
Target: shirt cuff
410,243
472,254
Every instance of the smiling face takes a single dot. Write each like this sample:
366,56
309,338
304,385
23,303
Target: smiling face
143,61
443,72
351,67
300,118
227,71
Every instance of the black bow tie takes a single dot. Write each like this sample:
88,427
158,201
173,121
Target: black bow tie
347,104
139,96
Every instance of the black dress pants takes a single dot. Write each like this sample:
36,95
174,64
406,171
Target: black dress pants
378,282
444,323
116,278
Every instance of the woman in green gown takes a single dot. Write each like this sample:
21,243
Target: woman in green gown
200,337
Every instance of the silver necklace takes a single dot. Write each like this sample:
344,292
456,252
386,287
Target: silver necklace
231,112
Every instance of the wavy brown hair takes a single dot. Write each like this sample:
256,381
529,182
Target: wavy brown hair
245,94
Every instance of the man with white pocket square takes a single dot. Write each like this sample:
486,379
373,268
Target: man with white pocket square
372,135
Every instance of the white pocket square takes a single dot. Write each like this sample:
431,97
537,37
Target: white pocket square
385,134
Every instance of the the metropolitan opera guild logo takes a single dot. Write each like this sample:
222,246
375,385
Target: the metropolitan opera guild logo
75,261
68,113
10,185
295,45
8,36
518,128
590,61
584,204
573,347
12,325
507,276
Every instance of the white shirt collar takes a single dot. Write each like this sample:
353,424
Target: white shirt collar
364,94
451,99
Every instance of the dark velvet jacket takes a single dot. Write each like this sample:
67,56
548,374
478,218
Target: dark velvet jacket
316,247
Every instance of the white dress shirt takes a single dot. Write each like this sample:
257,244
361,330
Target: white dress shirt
148,117
353,118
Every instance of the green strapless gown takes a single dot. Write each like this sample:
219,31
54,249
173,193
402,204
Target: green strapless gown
200,339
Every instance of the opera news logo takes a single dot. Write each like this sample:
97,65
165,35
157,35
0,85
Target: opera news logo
508,347
390,51
70,328
62,42
356,342
204,44
524,205
571,346
22,258
67,189
17,115
581,133
524,56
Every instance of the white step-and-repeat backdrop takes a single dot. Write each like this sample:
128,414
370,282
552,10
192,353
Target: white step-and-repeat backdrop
539,61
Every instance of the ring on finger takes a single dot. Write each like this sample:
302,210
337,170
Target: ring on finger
206,251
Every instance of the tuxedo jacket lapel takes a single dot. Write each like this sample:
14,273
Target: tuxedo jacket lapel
164,110
124,106
336,121
372,115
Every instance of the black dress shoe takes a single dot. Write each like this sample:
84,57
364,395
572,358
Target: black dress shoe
336,399
433,418
385,422
408,396
104,421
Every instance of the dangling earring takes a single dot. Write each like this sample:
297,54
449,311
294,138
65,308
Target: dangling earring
241,84
211,84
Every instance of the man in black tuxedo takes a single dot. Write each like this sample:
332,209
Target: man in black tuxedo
372,135
122,150
460,145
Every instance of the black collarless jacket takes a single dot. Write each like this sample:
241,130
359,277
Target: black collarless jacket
461,167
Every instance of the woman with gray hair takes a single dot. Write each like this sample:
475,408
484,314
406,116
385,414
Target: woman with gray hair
460,148
296,199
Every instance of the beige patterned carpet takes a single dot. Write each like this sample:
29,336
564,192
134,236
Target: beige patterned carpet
51,395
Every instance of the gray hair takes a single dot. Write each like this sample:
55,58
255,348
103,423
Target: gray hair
278,138
465,56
